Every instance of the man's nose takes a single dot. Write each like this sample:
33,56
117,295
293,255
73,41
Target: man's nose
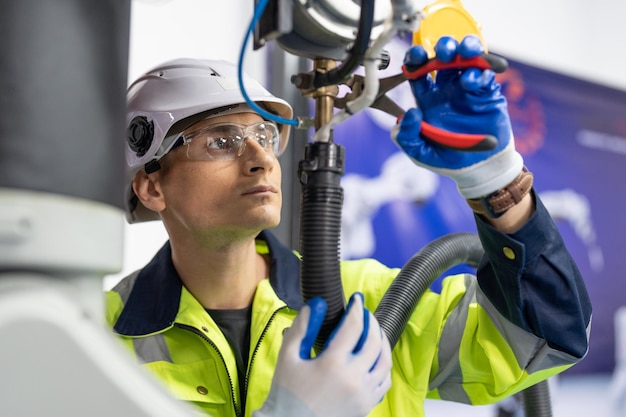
256,156
253,144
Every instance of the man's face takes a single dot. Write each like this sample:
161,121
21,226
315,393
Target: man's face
227,196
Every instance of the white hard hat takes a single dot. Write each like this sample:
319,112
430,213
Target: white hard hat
173,96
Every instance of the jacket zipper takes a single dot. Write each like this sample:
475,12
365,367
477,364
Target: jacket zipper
256,349
230,380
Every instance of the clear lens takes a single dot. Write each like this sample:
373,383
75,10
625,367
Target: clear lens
227,140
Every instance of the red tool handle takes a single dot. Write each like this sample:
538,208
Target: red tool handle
445,138
459,141
483,61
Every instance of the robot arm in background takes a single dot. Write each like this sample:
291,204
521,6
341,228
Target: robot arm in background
399,180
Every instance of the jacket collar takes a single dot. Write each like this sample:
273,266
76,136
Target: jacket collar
154,300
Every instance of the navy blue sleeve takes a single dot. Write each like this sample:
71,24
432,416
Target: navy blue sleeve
532,280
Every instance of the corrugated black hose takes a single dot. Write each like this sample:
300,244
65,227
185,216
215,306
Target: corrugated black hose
417,276
320,226
537,400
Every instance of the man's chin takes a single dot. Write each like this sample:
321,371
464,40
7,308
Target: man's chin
269,220
273,223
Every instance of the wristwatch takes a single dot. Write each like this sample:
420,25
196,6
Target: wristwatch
497,203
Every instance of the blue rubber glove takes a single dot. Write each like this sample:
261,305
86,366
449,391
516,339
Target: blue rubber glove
347,379
468,101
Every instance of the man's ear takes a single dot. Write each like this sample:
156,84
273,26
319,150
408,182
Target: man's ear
148,191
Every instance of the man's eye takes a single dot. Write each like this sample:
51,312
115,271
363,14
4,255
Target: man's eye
217,143
263,141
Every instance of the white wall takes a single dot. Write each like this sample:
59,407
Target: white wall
167,29
579,38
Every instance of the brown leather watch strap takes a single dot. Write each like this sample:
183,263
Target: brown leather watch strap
495,204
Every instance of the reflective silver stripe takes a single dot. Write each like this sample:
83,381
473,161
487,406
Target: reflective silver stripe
449,379
532,353
125,286
152,349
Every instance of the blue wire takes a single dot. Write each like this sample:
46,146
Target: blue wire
264,113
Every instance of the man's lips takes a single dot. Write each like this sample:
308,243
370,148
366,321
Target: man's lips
260,189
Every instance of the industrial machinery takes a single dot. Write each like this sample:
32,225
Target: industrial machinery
61,229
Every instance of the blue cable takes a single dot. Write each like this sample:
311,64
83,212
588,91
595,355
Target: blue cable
264,113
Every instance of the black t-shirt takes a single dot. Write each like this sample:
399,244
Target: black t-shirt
235,324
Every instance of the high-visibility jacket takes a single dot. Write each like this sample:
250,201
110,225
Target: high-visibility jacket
524,319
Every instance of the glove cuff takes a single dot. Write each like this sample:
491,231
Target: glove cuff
486,177
281,402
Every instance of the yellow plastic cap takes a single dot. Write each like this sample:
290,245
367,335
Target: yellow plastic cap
445,18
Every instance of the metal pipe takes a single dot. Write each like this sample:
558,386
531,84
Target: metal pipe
324,96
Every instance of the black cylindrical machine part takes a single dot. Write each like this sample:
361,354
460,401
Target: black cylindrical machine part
62,107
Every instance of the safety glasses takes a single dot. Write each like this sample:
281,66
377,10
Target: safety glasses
228,140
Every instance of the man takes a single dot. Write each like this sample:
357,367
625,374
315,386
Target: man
209,310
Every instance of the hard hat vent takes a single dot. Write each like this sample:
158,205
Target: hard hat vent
139,134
